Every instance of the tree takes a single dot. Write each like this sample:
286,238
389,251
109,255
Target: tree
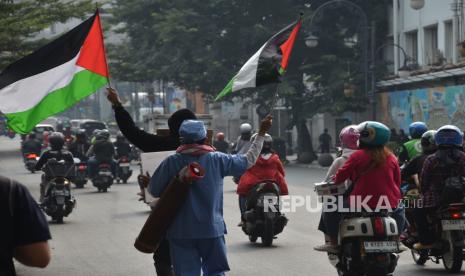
202,44
21,21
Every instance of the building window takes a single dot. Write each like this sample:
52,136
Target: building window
449,41
432,56
411,44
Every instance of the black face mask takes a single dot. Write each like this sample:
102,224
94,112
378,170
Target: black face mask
245,136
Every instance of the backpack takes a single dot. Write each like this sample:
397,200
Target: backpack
453,190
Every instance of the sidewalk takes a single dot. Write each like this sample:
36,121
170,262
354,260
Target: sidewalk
314,165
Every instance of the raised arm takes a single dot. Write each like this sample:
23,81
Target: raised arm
143,140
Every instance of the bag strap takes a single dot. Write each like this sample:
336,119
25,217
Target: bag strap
11,196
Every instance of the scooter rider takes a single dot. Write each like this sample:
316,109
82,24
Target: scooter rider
447,164
243,141
123,148
410,175
329,221
267,167
412,148
374,163
56,140
31,145
197,233
101,152
242,144
80,146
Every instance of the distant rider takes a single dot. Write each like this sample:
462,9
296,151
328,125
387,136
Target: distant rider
412,148
267,167
123,148
220,144
101,152
56,141
243,141
31,145
80,146
329,221
447,165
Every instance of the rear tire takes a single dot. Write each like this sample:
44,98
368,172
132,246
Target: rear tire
419,257
268,233
59,214
253,238
104,190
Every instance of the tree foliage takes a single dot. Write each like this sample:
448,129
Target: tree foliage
21,21
202,44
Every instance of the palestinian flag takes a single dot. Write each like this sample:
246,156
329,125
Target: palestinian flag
55,77
268,64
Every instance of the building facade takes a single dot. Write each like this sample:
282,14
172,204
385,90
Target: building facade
432,85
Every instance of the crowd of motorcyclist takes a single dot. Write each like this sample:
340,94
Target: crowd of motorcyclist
92,150
430,165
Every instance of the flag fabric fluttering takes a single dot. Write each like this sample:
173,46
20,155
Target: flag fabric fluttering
55,77
268,64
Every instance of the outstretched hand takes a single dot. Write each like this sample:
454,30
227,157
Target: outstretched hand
113,96
265,125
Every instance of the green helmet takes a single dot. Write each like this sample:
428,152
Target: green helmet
373,134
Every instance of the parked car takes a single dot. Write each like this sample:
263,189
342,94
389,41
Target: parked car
89,125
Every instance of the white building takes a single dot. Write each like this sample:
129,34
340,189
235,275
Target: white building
433,91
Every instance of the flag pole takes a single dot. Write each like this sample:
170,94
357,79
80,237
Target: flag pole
104,50
275,99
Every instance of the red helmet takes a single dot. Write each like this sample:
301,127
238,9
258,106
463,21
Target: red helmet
349,137
220,136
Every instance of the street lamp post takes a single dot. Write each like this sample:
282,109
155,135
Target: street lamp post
312,41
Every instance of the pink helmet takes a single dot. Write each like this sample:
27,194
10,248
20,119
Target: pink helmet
349,137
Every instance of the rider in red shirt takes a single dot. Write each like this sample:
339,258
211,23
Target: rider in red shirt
267,167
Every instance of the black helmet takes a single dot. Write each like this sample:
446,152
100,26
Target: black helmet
56,140
81,134
103,134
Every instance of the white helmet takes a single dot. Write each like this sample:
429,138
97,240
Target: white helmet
246,128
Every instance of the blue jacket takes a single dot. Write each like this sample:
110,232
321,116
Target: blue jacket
201,216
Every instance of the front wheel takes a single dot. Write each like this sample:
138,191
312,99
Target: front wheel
253,238
419,257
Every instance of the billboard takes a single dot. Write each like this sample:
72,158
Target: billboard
435,106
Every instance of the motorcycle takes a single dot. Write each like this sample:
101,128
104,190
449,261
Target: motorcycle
124,170
262,217
30,161
368,242
58,200
449,224
81,173
104,178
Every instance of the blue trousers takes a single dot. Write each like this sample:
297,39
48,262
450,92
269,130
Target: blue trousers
191,256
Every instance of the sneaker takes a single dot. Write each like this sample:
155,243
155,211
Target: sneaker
420,246
327,248
402,248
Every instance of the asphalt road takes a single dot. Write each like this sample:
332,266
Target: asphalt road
97,238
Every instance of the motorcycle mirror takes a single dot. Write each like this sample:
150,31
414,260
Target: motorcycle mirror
76,160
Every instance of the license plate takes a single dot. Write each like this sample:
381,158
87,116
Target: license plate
60,200
124,164
104,173
381,246
59,193
453,224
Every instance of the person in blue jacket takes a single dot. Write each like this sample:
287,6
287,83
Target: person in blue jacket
197,233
